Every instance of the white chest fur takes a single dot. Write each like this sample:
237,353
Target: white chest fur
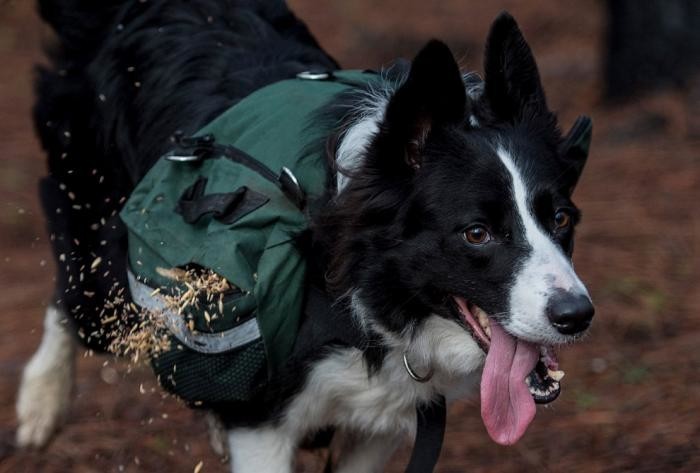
340,393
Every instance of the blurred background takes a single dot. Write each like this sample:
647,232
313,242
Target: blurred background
630,397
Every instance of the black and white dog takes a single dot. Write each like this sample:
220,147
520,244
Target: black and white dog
447,236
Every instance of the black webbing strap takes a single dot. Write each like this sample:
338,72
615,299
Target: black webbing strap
430,432
325,75
225,207
327,326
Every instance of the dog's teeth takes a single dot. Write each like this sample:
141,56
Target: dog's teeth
527,381
554,387
555,375
483,320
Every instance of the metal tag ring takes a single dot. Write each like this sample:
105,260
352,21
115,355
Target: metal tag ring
415,376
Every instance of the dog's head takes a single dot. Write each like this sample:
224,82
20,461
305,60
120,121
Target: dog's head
462,208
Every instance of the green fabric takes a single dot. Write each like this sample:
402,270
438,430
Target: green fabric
256,253
272,125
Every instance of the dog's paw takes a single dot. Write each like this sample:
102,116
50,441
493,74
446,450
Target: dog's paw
42,406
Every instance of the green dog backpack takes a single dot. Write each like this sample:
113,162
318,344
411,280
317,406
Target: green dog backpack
213,226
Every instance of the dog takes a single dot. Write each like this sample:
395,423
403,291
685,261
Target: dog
446,234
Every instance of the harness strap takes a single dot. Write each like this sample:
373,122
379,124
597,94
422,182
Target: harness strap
326,326
430,431
336,76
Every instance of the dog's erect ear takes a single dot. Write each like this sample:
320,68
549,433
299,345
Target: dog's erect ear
512,85
433,94
574,149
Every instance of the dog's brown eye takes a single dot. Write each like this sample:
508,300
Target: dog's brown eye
477,235
562,220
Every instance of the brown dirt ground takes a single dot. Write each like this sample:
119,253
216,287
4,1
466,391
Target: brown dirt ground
631,393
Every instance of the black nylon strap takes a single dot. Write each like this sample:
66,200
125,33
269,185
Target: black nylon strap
225,207
353,83
327,326
430,431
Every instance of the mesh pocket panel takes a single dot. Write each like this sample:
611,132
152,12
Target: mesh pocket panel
227,377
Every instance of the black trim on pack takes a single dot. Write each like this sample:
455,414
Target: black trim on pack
199,148
235,154
225,207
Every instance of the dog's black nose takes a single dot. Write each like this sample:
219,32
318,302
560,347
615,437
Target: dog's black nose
570,313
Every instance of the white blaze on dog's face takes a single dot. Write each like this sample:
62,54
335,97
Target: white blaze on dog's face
545,280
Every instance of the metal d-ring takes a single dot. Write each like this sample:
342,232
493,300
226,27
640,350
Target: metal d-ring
314,75
413,374
183,159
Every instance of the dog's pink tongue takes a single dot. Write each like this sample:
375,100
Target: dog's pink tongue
507,407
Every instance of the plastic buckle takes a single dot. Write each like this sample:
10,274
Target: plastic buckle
199,146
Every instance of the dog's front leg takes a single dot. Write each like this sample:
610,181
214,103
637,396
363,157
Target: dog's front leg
47,383
261,450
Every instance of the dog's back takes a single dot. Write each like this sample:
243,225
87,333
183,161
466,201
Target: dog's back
125,76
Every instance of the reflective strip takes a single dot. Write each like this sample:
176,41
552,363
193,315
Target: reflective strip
209,343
